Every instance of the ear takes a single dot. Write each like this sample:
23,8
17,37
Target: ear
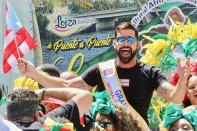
114,43
138,44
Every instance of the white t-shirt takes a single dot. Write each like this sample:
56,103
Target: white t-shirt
6,125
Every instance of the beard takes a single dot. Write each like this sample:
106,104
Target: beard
126,54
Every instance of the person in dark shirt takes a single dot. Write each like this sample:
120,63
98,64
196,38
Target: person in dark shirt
22,107
136,80
138,93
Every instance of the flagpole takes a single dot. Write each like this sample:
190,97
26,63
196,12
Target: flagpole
17,46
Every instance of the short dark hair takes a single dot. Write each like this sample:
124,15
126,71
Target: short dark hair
50,69
20,103
126,25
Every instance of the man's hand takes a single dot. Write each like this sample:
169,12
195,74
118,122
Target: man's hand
26,68
176,94
183,69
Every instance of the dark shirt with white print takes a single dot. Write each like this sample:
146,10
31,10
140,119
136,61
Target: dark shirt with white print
138,83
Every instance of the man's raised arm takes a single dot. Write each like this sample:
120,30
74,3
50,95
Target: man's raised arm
28,69
176,94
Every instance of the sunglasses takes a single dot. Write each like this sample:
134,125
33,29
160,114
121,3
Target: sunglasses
129,39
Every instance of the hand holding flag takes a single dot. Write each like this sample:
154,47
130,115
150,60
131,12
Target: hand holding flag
26,68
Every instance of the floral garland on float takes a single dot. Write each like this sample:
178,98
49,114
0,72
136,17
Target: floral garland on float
162,50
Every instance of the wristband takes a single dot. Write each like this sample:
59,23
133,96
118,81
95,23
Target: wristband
43,94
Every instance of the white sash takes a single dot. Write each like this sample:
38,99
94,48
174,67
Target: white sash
112,82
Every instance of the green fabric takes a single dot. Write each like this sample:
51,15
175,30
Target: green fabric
56,127
165,37
3,101
168,61
102,104
189,46
160,36
174,113
152,118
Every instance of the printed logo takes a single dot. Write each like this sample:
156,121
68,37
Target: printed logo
125,82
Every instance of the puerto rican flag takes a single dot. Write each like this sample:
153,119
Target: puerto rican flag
108,71
17,41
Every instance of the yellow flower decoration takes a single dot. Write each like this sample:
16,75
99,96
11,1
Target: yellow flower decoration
154,51
25,82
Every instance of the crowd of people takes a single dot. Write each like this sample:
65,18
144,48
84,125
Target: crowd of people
120,102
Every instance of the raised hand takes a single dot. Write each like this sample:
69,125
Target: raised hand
183,69
26,68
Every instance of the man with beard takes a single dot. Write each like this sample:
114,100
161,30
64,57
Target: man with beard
129,81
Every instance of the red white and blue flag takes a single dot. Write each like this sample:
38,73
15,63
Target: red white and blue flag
108,71
17,41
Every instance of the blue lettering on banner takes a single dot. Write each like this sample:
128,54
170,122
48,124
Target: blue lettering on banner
63,22
120,97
